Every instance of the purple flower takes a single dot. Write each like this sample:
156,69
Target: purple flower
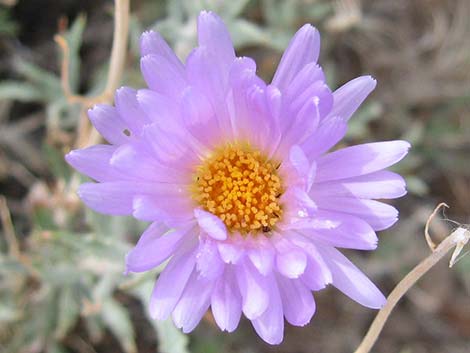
245,200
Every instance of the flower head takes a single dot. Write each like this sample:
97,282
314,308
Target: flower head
245,200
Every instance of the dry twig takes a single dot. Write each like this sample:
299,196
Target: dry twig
457,239
118,55
429,240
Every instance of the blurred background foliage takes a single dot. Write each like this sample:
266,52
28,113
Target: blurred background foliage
62,287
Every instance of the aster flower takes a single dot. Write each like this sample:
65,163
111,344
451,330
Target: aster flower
246,203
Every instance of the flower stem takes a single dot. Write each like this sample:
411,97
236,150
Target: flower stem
457,239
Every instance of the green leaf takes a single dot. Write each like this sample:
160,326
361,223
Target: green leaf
7,25
43,315
170,339
359,126
44,219
117,319
11,267
232,8
9,313
416,185
68,312
45,82
135,31
55,347
280,13
246,33
20,91
56,162
74,40
105,287
114,227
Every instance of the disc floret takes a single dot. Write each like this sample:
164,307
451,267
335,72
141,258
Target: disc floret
242,187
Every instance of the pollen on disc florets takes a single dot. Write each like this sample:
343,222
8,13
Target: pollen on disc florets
240,186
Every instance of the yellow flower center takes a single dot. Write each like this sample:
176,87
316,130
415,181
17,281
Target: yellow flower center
240,186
